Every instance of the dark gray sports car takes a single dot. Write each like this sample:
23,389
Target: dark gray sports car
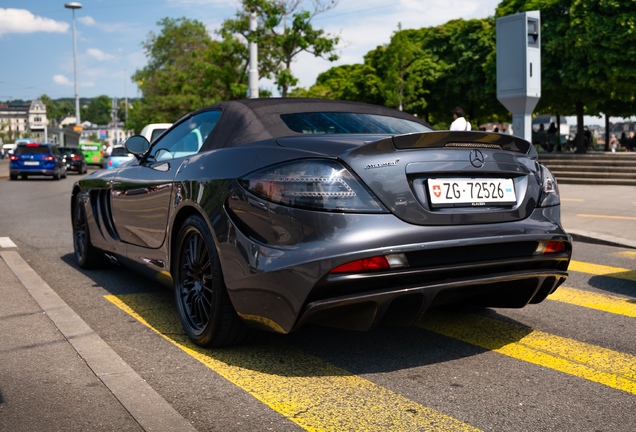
272,213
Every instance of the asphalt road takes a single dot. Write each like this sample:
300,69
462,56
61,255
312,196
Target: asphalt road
567,364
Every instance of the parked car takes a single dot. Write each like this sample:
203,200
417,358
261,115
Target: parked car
9,148
36,159
118,156
93,153
154,130
273,213
74,159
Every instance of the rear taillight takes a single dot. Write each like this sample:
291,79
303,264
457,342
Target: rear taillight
49,158
13,157
110,162
382,262
75,158
315,184
549,247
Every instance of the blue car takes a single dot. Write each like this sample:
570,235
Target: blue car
117,157
37,159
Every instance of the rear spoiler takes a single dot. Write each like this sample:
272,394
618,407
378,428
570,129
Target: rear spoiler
469,139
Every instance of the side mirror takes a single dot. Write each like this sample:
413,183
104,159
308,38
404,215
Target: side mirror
137,145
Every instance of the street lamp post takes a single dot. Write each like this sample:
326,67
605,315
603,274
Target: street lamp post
73,6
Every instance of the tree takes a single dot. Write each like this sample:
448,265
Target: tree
358,82
98,111
585,49
284,31
187,70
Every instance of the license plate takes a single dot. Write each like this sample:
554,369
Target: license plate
32,163
453,192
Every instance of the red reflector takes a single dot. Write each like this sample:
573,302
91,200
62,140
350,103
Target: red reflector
375,263
33,145
110,162
554,247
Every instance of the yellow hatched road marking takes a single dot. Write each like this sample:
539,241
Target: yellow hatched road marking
611,368
601,270
626,254
606,217
607,303
311,392
571,199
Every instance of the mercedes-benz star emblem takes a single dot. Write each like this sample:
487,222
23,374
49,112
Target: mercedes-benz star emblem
476,158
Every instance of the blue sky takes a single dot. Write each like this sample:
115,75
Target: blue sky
36,42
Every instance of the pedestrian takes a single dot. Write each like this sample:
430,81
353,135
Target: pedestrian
631,142
552,137
613,143
460,123
1,153
623,141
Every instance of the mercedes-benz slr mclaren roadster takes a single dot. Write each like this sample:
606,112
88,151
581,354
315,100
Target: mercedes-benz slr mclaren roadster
272,213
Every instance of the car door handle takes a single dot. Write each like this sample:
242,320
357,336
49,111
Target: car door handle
183,165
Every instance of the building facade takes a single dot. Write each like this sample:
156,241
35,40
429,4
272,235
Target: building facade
19,120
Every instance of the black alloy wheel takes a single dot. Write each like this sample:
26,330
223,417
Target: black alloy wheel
204,306
86,255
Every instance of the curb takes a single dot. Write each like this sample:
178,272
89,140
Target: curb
601,239
151,411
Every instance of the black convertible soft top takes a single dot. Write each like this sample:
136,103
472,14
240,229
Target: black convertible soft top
250,120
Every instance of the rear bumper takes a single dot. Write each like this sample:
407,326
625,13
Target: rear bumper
283,287
37,171
407,305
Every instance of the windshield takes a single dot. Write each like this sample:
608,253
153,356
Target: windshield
32,149
156,133
120,151
349,123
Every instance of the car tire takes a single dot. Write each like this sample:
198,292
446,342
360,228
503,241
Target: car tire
13,176
64,176
87,256
203,303
56,176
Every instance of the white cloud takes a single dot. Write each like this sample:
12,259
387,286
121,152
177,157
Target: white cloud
99,54
87,20
62,80
23,21
87,84
108,28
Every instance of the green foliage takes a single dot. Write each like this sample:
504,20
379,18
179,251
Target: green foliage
283,33
187,70
429,71
98,111
56,109
586,52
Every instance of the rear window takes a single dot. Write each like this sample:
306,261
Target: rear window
32,150
156,133
67,151
349,123
120,152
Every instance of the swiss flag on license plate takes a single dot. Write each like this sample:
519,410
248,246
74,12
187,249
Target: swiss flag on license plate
437,190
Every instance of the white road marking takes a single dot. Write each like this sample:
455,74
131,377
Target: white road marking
149,409
5,242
